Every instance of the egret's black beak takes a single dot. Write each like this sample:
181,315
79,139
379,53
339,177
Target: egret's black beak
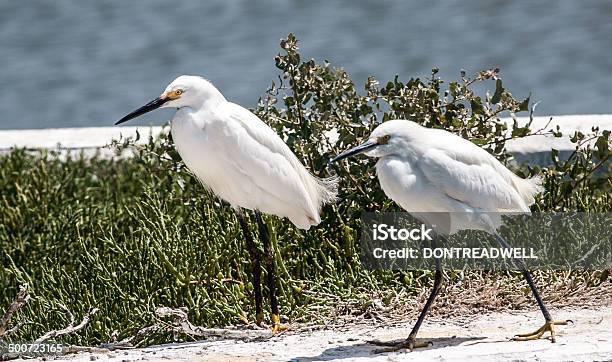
355,151
154,104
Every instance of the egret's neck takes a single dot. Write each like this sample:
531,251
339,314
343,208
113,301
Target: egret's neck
206,104
404,150
211,98
197,115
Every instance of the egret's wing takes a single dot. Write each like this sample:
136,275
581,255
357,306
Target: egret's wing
471,178
262,155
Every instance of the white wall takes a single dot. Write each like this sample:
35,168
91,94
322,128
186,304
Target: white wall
535,149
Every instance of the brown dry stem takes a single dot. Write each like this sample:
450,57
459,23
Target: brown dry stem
20,300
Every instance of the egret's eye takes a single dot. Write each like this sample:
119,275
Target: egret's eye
178,92
384,139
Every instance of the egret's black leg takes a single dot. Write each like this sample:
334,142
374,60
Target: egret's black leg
432,296
527,275
271,272
255,264
549,323
411,342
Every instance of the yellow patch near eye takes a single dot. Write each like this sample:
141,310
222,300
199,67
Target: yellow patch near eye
174,94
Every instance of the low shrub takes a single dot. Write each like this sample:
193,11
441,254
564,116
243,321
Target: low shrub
127,235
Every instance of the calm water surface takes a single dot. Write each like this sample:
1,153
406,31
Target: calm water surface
71,63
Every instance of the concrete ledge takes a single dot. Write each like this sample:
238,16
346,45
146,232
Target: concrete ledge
535,149
70,138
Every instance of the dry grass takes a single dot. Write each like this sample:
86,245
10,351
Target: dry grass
474,294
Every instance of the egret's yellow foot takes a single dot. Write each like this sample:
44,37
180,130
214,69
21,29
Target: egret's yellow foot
259,319
276,325
409,343
549,326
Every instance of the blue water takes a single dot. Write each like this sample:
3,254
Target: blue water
86,63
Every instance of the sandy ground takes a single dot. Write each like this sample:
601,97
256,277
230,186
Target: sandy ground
485,338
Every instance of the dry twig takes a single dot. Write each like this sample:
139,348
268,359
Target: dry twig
179,318
20,300
70,328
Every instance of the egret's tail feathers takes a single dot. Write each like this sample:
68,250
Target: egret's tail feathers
528,188
328,190
320,191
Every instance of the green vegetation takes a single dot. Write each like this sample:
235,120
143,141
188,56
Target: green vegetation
128,235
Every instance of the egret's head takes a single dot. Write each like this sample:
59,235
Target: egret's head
185,91
388,138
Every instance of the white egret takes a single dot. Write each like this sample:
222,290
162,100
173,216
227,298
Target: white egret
244,162
434,174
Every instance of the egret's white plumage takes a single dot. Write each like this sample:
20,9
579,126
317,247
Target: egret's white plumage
240,158
428,171
450,184
244,162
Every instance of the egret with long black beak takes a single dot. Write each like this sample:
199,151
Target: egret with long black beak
244,162
434,175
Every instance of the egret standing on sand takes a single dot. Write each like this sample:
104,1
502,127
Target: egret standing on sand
434,174
244,162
